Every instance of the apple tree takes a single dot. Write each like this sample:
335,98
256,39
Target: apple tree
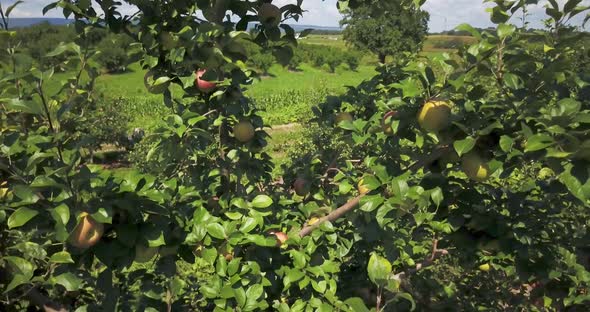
384,28
478,163
465,183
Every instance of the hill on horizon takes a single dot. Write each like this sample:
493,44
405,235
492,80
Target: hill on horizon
29,21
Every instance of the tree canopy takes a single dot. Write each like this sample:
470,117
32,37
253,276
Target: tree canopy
386,29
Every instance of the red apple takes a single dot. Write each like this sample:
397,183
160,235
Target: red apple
281,238
301,187
204,85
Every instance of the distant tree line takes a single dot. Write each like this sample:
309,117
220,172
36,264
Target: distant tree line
319,56
327,32
40,39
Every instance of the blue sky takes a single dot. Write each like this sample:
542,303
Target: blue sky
445,14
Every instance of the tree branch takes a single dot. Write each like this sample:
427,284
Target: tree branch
334,215
351,205
435,254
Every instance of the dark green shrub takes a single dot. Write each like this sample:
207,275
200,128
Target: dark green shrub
352,59
262,61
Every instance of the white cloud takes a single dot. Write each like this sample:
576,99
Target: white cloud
445,14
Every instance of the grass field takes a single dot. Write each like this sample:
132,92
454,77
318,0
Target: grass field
284,97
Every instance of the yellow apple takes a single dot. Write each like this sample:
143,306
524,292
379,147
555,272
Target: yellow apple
362,188
3,189
485,267
340,117
474,167
434,116
87,233
244,131
313,221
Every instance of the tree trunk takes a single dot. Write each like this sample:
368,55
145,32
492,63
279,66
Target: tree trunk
382,58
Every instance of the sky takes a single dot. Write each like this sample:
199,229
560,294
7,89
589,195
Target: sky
444,14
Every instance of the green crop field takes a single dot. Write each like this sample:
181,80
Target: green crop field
284,96
202,156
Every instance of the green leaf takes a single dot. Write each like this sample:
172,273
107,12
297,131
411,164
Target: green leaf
254,292
371,182
319,286
305,32
68,280
498,15
468,28
399,187
60,49
248,225
10,8
292,276
437,196
379,269
221,266
407,297
512,81
505,30
21,216
370,203
216,230
29,107
262,201
574,186
506,143
61,257
344,187
22,271
357,304
61,214
538,142
20,265
382,213
154,237
463,147
240,295
17,280
262,240
298,259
